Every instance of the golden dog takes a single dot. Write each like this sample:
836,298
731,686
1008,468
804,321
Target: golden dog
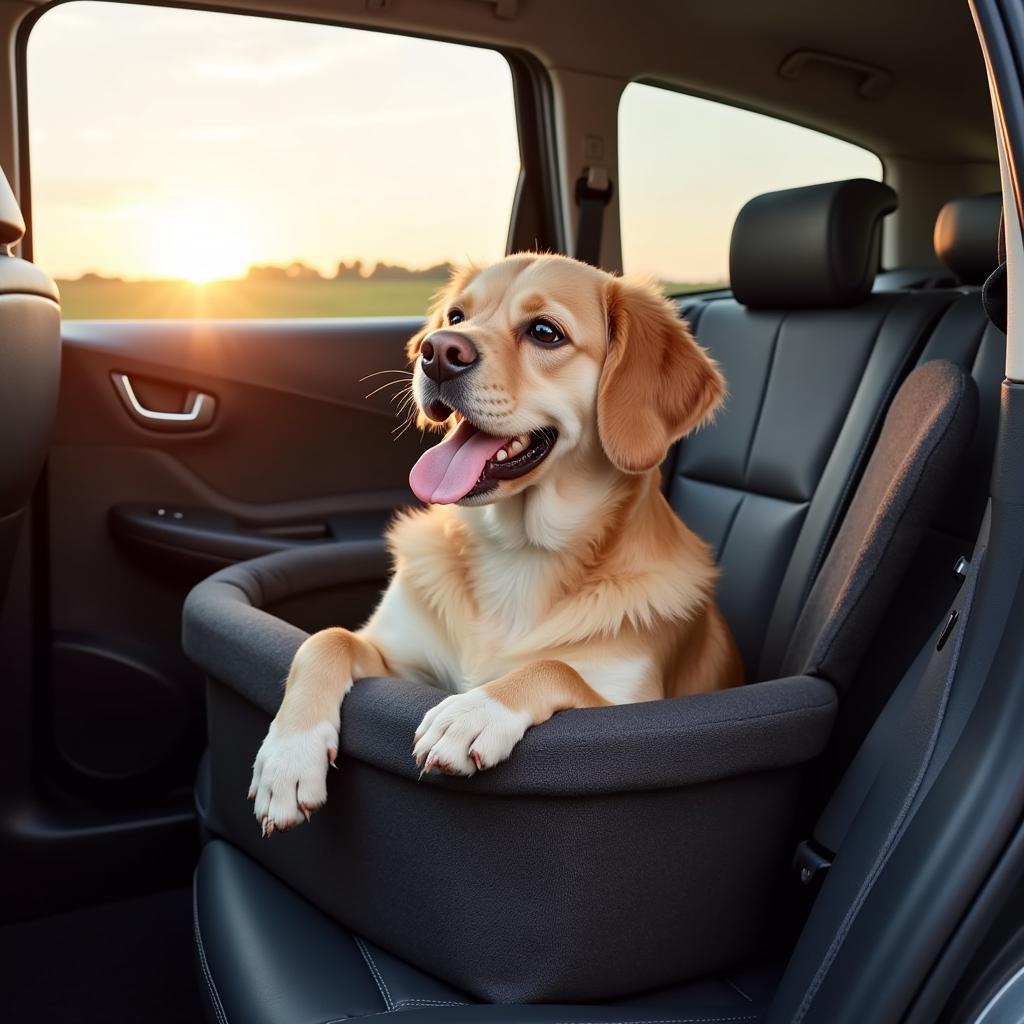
549,572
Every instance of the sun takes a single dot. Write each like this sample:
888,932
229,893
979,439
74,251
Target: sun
202,242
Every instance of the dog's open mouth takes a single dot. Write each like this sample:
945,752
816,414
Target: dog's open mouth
469,462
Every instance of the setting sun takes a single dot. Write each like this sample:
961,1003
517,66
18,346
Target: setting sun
200,243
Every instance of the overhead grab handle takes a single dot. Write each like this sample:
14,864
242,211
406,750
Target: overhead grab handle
874,81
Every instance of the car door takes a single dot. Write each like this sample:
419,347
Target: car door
239,279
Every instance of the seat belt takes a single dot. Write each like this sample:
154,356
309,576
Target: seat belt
594,192
814,856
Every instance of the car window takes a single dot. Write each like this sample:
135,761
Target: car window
687,165
187,163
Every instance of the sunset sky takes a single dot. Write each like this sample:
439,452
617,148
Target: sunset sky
161,138
183,143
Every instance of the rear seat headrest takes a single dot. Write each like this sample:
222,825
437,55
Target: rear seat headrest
12,224
967,236
812,247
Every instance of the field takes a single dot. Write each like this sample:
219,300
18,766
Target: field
92,299
105,299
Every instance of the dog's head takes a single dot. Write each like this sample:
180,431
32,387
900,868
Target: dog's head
538,359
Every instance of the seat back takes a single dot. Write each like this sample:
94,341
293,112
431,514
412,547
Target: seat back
29,375
965,336
812,361
917,744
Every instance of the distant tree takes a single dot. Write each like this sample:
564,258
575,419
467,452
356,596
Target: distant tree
396,272
349,270
298,271
266,272
91,277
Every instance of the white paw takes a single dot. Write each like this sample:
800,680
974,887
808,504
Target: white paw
289,777
467,733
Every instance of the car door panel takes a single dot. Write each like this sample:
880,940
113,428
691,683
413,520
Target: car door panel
298,452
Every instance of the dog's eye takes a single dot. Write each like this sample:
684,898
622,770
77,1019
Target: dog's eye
455,316
545,333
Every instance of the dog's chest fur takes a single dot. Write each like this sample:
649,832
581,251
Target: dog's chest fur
463,609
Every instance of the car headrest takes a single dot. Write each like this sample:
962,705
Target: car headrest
967,236
12,224
812,248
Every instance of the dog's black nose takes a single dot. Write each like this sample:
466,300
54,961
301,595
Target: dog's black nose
446,354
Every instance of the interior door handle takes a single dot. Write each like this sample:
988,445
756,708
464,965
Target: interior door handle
198,413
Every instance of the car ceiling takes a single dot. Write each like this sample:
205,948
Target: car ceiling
936,108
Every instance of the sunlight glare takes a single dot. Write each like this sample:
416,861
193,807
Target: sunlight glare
201,243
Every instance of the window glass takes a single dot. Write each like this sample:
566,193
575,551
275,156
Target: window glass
187,163
687,165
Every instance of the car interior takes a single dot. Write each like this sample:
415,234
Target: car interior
185,498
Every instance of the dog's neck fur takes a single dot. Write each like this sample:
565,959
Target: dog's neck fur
587,550
556,515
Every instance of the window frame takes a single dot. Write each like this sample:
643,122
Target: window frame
697,94
534,214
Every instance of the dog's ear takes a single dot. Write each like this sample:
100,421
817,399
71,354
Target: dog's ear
657,383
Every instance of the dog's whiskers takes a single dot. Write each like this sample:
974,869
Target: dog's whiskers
377,373
388,384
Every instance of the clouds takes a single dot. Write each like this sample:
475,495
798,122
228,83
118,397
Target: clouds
272,69
312,142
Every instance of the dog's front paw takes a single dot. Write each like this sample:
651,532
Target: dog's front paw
466,733
289,777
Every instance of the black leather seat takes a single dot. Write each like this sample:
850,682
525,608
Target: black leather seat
812,361
29,375
267,956
966,242
767,485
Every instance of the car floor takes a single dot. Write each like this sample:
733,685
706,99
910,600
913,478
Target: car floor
111,964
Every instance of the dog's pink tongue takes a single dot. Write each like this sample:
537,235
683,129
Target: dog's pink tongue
448,471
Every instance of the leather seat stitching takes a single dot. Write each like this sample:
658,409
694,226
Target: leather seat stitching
732,984
377,976
429,1002
746,492
218,1006
763,398
729,525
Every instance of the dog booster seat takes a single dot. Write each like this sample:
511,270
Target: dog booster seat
621,848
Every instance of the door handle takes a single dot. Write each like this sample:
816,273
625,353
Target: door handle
198,413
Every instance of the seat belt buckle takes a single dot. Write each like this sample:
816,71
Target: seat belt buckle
811,862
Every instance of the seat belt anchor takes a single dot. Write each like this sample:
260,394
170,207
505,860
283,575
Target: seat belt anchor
811,862
594,184
593,194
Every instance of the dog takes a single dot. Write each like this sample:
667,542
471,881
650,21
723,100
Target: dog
548,570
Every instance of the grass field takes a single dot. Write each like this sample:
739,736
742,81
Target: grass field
102,299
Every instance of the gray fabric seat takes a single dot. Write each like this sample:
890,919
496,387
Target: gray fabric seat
779,488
